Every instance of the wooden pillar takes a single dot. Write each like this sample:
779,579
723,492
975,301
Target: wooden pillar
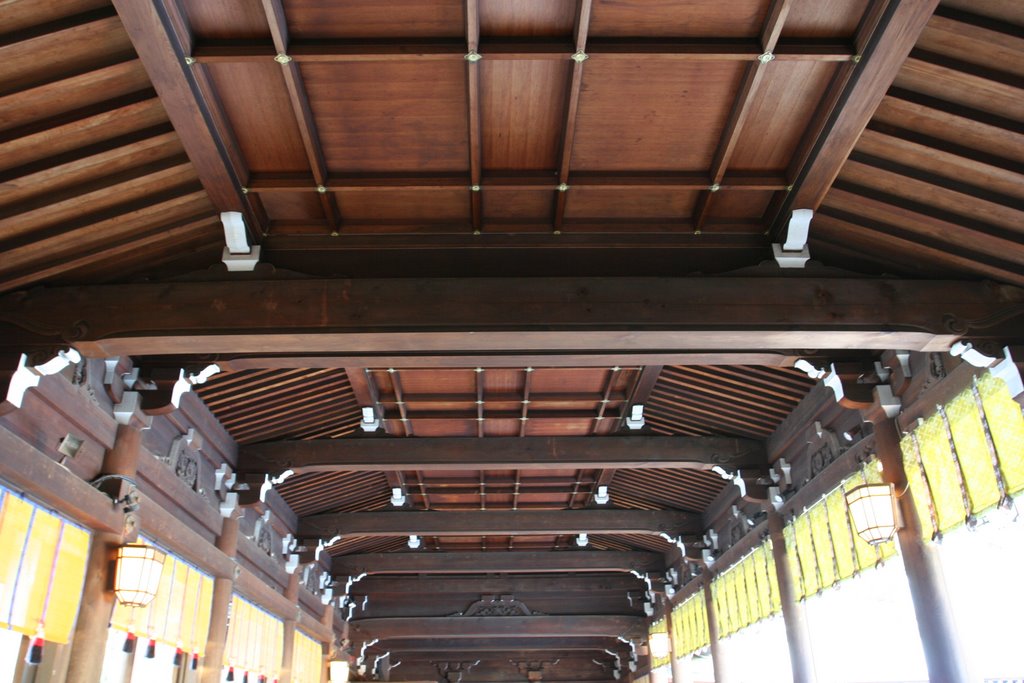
717,656
923,568
223,590
797,634
85,663
291,592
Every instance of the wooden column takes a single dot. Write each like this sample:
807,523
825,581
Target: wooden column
85,663
291,592
717,656
797,634
923,568
223,589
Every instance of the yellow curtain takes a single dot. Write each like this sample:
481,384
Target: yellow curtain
822,548
690,624
307,659
42,569
746,592
179,614
255,640
963,459
660,626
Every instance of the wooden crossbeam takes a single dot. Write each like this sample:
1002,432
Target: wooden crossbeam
497,562
521,182
338,51
534,453
484,645
493,585
450,316
552,626
500,523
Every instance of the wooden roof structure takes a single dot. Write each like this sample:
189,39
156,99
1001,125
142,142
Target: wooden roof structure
500,225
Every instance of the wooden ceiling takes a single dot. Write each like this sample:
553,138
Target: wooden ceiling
506,138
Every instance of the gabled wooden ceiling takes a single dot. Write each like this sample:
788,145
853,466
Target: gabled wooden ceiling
591,138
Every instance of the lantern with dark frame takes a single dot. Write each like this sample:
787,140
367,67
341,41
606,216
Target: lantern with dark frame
137,571
873,512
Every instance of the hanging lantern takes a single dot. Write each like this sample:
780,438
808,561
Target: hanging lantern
873,512
659,645
137,574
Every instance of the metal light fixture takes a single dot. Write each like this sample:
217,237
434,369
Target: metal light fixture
659,645
137,571
339,671
873,512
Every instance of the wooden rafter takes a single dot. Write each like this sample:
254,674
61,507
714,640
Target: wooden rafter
571,110
888,34
745,99
504,627
157,32
299,100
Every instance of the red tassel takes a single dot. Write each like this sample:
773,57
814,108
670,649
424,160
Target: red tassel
151,649
34,655
231,673
178,656
129,643
245,677
195,661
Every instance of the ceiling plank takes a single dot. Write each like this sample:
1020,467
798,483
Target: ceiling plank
553,626
533,453
497,562
499,523
453,315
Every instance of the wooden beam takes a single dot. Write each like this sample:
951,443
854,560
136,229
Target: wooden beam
155,29
572,106
480,644
555,627
450,316
335,51
497,562
741,108
499,523
534,453
882,55
380,586
469,360
302,110
265,183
